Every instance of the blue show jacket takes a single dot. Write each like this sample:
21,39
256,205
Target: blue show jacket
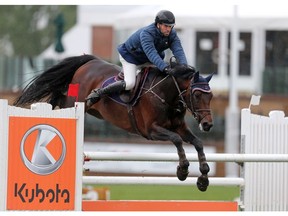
148,45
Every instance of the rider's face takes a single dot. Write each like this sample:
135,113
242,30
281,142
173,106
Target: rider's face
165,29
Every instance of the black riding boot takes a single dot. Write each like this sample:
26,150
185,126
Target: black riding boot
96,94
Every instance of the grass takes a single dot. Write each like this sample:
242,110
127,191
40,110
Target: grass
151,192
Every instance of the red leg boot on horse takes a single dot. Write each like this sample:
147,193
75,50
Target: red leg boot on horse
97,94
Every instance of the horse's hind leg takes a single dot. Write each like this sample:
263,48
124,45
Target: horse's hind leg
54,102
59,100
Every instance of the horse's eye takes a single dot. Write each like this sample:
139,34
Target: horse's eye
197,94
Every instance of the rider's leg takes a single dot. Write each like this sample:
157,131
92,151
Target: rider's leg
129,71
126,84
96,94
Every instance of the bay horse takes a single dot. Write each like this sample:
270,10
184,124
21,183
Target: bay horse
156,112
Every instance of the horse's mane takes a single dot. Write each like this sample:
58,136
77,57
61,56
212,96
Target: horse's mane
182,70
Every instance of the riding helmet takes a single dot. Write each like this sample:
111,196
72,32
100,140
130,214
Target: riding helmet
166,17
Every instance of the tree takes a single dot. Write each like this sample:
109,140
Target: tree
59,23
27,30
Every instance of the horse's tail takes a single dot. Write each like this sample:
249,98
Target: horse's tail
52,83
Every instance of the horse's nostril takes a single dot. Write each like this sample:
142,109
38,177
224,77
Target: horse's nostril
207,126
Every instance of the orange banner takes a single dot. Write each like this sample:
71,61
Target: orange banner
41,164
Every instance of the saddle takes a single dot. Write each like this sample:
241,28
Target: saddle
128,97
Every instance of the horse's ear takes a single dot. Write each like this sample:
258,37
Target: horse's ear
196,76
173,62
209,77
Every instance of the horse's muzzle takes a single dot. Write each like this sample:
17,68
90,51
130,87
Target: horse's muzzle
207,126
205,122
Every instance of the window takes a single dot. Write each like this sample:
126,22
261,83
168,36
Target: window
207,52
276,49
244,53
275,75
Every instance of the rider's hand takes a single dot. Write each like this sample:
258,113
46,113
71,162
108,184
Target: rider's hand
168,70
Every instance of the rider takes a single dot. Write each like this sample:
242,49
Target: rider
146,45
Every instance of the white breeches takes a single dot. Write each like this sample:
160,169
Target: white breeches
130,72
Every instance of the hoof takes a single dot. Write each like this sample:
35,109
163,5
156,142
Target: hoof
202,183
182,173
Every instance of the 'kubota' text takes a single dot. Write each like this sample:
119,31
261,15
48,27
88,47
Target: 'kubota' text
37,194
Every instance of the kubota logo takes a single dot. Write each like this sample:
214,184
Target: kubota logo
41,159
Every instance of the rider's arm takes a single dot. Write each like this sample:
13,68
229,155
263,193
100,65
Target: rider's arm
147,42
176,48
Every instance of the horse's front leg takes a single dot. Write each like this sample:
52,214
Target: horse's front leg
189,137
160,133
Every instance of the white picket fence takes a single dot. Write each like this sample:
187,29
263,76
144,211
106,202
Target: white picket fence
266,184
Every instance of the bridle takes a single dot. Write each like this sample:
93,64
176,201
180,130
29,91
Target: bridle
197,113
200,86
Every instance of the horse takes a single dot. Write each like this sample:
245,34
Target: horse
156,112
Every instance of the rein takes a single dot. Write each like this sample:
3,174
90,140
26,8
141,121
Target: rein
180,93
161,99
196,112
153,86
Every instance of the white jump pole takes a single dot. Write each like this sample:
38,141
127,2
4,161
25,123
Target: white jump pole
171,157
216,181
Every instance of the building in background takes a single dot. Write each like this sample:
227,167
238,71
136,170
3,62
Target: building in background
205,33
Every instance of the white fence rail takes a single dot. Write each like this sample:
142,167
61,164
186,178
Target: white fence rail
216,181
172,157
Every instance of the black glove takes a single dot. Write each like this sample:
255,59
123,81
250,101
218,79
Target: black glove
168,71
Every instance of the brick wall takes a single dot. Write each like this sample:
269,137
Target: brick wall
102,41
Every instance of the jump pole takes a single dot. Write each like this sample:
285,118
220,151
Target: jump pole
171,157
147,180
